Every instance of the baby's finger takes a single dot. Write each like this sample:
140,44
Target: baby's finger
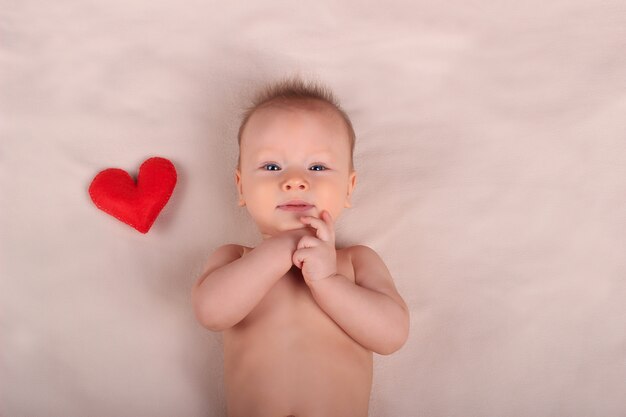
330,225
320,225
307,242
300,256
328,219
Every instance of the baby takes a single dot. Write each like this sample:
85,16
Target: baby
300,318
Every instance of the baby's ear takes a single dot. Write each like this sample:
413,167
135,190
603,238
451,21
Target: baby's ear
351,185
241,202
351,182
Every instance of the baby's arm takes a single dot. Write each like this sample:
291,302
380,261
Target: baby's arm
231,286
370,310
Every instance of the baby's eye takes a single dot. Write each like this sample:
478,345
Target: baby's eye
267,165
322,167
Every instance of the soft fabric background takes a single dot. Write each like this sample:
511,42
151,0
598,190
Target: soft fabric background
491,156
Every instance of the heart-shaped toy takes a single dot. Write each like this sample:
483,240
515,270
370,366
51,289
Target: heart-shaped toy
138,205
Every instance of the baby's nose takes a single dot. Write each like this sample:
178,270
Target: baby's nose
298,183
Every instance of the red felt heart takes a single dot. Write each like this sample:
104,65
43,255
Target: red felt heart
138,205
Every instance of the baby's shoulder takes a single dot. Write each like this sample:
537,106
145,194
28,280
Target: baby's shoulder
231,250
221,256
353,250
355,247
361,252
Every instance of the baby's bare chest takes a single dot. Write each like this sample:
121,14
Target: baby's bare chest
288,313
288,345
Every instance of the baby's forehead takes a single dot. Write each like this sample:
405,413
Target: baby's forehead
273,115
320,116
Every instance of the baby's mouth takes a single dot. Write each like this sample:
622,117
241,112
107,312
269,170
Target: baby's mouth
295,204
296,207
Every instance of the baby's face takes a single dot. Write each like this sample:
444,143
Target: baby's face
293,154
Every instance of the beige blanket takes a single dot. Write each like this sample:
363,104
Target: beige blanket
491,160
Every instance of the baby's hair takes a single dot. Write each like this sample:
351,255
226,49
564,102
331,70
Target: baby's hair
293,90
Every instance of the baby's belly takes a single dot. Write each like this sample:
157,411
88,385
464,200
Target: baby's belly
289,357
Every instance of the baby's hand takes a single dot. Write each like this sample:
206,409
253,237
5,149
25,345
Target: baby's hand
292,237
316,255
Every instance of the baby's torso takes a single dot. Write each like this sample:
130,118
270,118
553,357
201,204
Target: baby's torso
288,357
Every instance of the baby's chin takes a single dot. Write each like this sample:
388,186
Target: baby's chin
285,227
295,227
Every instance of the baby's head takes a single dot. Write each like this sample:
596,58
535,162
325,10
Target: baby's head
295,143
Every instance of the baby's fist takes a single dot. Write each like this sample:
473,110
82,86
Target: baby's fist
290,238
